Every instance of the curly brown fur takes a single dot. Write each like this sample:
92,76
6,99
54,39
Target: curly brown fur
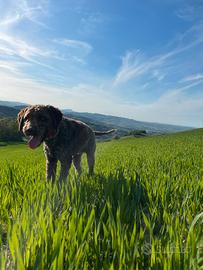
65,139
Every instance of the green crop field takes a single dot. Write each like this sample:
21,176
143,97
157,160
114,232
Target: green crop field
143,208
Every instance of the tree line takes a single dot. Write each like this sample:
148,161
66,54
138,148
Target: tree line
9,130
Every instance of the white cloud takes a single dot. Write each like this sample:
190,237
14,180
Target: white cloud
14,11
191,11
134,64
194,77
85,47
11,45
46,56
11,66
16,49
10,20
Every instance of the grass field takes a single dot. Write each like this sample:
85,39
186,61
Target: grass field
143,208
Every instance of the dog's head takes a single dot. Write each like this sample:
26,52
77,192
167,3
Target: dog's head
39,123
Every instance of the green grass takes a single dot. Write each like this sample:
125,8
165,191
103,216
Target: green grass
141,210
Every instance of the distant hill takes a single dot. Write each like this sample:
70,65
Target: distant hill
12,104
8,111
100,121
126,124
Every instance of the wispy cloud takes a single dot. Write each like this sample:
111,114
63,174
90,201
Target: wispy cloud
10,20
135,64
16,52
11,67
12,48
194,77
131,67
171,93
11,44
85,47
14,12
191,12
15,46
44,54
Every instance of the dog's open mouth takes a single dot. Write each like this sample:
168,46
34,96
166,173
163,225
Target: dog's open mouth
34,141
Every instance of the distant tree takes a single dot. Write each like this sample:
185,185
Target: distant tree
9,130
137,133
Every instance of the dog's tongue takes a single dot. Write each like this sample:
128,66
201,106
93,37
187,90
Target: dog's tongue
34,142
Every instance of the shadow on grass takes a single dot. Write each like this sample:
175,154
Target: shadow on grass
129,195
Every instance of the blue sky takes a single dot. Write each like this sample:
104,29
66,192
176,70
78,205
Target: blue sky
138,59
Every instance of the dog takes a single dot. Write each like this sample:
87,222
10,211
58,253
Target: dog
64,139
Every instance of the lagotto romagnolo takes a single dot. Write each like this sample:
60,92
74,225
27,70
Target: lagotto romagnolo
64,139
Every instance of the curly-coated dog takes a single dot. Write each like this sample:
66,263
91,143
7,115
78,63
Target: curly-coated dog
65,139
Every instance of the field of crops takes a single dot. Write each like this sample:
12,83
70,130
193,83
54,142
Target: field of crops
143,208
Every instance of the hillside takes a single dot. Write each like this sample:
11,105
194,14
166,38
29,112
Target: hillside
12,104
6,111
100,121
128,124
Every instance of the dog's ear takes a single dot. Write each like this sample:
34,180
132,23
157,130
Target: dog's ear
56,116
20,118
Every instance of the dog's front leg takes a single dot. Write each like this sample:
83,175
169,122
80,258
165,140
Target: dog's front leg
51,164
65,166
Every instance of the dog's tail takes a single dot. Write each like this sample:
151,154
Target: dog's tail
100,133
